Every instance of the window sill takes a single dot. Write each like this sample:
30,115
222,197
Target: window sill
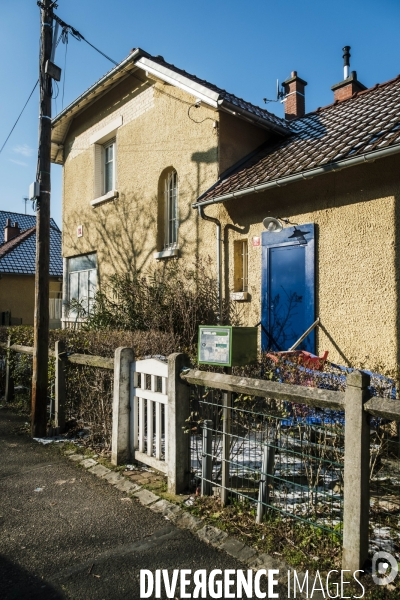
106,198
167,253
240,296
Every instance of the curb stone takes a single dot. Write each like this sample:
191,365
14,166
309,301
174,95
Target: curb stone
99,470
238,550
113,477
88,462
145,497
211,535
167,509
187,521
127,486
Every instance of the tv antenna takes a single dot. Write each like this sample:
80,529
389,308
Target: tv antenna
280,94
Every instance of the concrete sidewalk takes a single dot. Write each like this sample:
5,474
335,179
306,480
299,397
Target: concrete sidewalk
65,533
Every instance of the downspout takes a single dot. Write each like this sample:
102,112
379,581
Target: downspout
219,264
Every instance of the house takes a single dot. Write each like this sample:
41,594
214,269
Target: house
138,148
17,270
299,214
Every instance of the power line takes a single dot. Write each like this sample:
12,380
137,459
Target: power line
19,116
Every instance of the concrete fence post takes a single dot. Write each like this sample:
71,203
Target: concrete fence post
60,391
206,459
356,472
177,414
120,442
9,391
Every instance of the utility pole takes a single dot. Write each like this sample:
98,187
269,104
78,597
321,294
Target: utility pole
41,326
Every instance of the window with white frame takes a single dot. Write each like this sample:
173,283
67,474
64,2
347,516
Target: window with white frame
109,166
104,143
241,266
171,224
82,280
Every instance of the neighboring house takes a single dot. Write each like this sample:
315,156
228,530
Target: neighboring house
17,270
149,142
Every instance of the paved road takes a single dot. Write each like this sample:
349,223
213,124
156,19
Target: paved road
78,538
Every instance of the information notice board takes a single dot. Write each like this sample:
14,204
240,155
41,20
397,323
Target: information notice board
215,345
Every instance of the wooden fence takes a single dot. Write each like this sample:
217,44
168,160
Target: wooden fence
356,402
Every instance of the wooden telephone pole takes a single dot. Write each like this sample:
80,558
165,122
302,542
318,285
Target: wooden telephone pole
41,326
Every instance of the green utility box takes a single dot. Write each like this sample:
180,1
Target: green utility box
227,346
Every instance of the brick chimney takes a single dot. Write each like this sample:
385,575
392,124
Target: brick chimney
295,105
11,231
350,84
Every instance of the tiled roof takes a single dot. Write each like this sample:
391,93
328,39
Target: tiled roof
24,221
18,254
139,59
366,122
224,95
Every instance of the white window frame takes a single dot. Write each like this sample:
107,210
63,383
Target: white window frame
241,270
171,205
102,139
91,276
111,144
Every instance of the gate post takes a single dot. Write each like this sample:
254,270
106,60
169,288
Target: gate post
356,472
177,414
120,442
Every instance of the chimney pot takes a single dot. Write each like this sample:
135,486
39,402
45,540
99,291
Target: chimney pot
11,231
295,105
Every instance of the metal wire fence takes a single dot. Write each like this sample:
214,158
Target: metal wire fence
282,456
384,531
286,461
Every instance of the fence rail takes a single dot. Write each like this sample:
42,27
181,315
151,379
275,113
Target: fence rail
336,445
272,443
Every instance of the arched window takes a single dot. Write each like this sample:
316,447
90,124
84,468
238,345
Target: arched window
171,219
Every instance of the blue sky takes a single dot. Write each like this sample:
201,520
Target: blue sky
241,46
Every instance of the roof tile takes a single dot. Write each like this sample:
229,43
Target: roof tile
367,121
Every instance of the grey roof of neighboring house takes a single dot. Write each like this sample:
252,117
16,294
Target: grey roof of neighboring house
367,123
19,254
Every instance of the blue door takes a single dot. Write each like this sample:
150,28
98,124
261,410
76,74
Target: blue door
287,307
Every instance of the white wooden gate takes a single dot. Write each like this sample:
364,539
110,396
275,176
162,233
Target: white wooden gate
149,412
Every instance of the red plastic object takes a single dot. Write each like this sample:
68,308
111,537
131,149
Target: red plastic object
303,358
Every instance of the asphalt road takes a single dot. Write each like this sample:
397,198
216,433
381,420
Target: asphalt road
76,537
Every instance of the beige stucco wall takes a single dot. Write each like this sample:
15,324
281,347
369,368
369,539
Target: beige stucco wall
357,258
17,295
355,212
156,134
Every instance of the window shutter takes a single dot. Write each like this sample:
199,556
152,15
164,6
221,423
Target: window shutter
98,171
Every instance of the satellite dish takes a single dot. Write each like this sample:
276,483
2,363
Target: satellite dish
272,224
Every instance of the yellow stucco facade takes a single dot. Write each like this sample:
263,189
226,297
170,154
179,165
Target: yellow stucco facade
17,296
357,261
355,212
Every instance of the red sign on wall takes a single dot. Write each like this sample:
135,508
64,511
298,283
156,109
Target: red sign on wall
256,241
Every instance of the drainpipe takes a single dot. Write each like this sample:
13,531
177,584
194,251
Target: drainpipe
219,269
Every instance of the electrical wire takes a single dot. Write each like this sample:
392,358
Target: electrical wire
194,120
65,41
19,116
